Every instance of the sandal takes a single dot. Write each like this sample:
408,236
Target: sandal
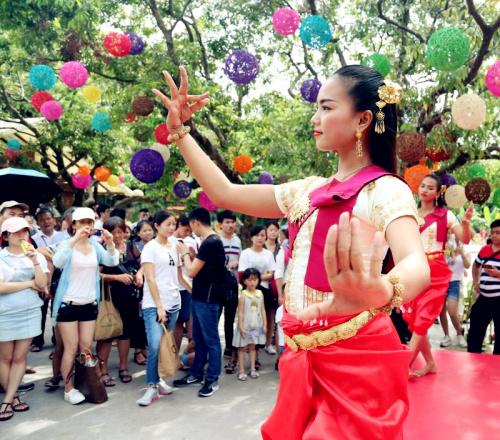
53,383
109,382
20,406
138,362
6,413
242,377
257,365
35,348
254,374
124,377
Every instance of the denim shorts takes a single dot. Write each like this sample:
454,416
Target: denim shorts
453,290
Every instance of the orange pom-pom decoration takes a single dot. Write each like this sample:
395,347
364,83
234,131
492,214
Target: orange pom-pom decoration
84,170
414,176
242,164
102,173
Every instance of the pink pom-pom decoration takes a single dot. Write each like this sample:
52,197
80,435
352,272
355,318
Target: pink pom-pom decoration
492,79
205,202
40,98
122,179
286,21
117,44
74,74
81,182
51,110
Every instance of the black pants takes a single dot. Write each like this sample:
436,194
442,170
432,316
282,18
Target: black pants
39,340
230,306
482,313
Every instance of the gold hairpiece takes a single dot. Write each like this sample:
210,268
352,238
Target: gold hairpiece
389,93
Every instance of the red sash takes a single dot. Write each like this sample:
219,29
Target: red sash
440,217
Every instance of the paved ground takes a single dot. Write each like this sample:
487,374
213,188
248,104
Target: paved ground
235,411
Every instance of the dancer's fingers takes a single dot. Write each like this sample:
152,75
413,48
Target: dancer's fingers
165,101
378,254
196,98
356,254
199,105
174,91
344,242
184,81
330,254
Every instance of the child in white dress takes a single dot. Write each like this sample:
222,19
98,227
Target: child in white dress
251,328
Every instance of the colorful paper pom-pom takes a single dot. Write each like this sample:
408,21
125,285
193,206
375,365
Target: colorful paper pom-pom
102,173
286,21
455,196
414,176
39,98
163,150
113,180
447,49
496,198
182,189
243,163
74,74
42,77
117,44
143,106
310,89
84,170
101,122
441,143
241,67
14,144
266,178
492,79
448,180
315,31
91,93
410,146
469,111
379,62
137,43
205,202
81,182
161,134
51,110
478,190
147,166
476,170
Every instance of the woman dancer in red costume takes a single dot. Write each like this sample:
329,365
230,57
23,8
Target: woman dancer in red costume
344,374
422,311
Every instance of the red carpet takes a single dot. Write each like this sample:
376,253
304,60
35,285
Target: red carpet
460,402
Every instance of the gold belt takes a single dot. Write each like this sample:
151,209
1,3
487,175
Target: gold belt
329,336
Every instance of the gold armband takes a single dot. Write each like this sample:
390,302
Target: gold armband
397,296
178,133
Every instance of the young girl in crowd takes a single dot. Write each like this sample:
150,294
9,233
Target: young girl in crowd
262,259
161,300
75,305
355,387
23,272
251,327
422,311
272,244
145,233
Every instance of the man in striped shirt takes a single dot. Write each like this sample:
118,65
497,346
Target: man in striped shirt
486,279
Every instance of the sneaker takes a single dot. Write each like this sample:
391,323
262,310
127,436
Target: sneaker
445,342
269,349
25,386
74,397
149,397
208,389
164,389
254,374
461,341
186,380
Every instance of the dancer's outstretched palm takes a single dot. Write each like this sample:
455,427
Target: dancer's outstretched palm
181,106
355,286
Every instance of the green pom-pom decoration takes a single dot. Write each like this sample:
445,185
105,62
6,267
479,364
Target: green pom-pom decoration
378,62
447,49
496,198
476,170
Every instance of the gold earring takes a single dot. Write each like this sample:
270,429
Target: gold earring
359,144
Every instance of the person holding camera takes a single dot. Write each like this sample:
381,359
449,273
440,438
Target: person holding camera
123,283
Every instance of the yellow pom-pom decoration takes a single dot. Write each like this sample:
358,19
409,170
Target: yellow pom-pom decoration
113,180
91,93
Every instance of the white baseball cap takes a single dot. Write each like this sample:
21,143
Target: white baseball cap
13,204
14,224
83,213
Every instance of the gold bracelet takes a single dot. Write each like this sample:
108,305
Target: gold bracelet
178,133
397,296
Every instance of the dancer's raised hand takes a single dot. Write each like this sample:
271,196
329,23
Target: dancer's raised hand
356,286
180,105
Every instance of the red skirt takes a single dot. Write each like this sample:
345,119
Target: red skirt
421,312
353,389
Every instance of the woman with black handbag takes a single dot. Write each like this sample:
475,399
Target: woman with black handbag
123,282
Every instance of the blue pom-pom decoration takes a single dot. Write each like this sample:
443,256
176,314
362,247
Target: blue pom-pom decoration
101,122
315,31
42,77
14,144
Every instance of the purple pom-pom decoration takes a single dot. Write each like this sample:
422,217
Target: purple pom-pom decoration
147,166
241,67
310,89
266,178
137,43
182,189
448,180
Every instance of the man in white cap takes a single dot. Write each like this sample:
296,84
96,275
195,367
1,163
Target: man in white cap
11,208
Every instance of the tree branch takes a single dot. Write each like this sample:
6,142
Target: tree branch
167,33
204,54
396,24
16,112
